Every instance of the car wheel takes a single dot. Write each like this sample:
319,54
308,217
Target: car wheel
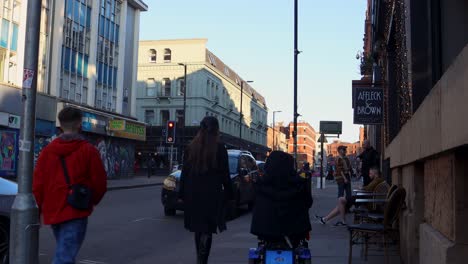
4,241
169,211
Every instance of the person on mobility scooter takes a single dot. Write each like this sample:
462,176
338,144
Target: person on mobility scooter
280,217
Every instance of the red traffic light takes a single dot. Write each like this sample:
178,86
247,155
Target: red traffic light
171,125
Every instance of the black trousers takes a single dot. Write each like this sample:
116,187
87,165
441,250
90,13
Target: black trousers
203,245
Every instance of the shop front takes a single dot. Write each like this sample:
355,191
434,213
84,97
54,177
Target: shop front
114,137
9,140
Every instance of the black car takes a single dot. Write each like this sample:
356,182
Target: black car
243,170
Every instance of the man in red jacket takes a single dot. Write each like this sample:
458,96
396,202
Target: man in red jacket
50,188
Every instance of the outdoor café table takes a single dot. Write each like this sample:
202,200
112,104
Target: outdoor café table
370,201
368,195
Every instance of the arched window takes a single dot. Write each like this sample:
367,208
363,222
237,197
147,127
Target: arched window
152,55
167,55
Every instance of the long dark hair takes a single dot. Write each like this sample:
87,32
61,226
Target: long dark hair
279,169
203,149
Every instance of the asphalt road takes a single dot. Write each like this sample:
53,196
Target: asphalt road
129,226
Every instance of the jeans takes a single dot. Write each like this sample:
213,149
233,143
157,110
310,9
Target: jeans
69,237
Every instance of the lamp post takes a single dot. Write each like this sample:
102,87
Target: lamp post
185,108
274,128
241,114
296,53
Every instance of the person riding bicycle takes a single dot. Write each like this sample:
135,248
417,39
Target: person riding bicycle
282,202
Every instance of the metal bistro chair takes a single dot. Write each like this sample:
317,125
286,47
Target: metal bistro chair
381,189
361,233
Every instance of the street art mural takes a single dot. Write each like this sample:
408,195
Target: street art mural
39,144
8,152
116,155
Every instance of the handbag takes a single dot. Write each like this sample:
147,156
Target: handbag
79,195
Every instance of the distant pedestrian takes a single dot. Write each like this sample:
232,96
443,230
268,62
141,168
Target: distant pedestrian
205,186
69,180
151,167
369,159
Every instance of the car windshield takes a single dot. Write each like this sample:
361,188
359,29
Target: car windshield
233,164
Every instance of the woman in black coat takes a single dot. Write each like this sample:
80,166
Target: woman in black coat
205,186
282,201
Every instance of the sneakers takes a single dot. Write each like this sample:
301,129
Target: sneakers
320,218
340,223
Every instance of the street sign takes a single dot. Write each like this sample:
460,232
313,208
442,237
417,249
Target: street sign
322,139
368,109
331,127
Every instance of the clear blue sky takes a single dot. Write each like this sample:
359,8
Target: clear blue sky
255,38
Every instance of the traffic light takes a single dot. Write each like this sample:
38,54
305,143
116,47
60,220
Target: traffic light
170,132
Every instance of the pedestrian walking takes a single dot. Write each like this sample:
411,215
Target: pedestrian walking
69,181
205,186
343,173
369,158
282,202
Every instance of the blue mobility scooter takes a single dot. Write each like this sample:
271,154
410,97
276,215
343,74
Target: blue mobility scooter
280,252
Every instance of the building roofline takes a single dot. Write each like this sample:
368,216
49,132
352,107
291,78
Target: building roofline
139,4
205,40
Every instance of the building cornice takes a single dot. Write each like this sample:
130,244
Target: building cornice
138,4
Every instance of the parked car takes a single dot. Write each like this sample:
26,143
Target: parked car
8,191
242,168
261,168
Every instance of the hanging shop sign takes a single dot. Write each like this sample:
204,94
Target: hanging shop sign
368,108
9,120
94,123
128,129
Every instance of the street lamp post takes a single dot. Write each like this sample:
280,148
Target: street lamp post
274,128
241,113
185,108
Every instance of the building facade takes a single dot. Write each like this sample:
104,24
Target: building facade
421,63
212,89
306,142
277,140
351,148
87,60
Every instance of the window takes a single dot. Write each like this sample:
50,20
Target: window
181,86
152,55
151,87
167,55
167,87
5,33
305,147
149,116
226,71
164,117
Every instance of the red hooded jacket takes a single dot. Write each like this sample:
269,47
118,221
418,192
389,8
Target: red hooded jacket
50,189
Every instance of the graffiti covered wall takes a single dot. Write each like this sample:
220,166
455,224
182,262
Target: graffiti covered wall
8,152
117,155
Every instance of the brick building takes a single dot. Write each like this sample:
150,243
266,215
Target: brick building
306,140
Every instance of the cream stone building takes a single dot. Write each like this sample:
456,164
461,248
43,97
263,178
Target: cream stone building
213,89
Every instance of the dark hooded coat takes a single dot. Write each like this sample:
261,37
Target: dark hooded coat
205,195
282,200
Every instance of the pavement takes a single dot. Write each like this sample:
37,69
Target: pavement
135,182
129,227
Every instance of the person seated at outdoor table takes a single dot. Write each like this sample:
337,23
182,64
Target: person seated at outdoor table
376,179
340,209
